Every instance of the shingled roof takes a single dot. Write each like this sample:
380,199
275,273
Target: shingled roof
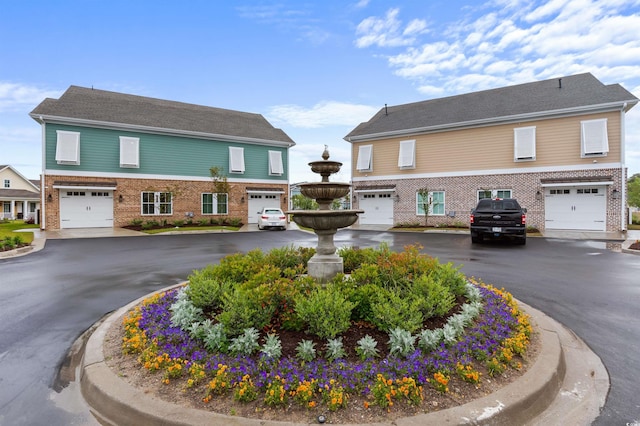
549,97
81,105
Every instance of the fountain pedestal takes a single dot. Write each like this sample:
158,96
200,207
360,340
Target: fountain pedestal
325,264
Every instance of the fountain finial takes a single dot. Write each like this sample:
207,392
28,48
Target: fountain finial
325,154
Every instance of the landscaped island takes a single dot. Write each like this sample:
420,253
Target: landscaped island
400,332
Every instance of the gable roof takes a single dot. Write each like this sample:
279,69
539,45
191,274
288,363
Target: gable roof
83,106
558,96
29,181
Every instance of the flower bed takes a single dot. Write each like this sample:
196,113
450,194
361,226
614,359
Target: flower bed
484,333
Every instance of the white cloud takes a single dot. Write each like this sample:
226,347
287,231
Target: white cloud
326,113
388,31
21,97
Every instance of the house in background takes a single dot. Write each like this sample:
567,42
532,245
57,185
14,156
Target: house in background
19,196
558,146
110,158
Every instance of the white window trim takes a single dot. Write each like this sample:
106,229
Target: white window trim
524,144
365,158
236,159
156,203
67,147
430,198
6,183
214,203
407,154
129,152
594,141
275,163
494,193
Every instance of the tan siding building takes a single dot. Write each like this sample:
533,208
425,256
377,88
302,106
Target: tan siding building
555,145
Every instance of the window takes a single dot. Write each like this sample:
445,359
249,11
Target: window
434,201
524,143
594,138
68,147
129,152
157,203
32,207
588,191
407,155
215,203
494,193
7,183
365,158
236,159
275,163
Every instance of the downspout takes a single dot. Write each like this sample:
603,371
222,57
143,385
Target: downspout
623,190
43,215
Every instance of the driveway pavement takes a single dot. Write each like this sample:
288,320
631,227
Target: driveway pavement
48,298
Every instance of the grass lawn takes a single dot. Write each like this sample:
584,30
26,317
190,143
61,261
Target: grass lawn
7,230
192,228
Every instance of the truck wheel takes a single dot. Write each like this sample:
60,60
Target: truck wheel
476,240
522,241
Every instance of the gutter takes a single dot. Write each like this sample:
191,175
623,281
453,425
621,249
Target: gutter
159,130
611,106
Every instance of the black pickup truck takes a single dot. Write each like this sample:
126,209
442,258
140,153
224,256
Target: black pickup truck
497,219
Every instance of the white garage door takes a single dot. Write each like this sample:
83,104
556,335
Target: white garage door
581,208
258,201
86,209
378,208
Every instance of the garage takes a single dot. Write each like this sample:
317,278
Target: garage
86,208
576,207
377,206
259,200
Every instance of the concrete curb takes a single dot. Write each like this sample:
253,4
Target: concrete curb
567,384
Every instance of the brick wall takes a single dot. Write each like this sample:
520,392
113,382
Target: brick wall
461,195
186,198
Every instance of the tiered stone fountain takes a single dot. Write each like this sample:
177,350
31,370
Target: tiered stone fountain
325,264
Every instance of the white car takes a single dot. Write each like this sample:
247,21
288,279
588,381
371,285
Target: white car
271,217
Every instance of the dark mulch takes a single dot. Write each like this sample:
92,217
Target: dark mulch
635,246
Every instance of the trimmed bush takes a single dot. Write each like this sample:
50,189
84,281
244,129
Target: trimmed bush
326,311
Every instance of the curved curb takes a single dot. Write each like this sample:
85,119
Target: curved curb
114,402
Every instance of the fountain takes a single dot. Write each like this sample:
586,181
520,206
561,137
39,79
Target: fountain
325,264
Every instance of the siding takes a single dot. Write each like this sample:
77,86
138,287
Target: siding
490,148
160,154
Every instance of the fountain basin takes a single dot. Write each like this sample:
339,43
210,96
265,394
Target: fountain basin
325,167
325,191
325,220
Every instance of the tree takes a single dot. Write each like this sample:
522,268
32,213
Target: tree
220,184
300,202
633,190
425,202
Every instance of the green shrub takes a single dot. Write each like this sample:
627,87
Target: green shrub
362,297
239,267
149,224
235,221
437,299
17,240
244,309
450,277
246,343
178,223
7,243
136,222
203,222
205,290
289,257
391,310
326,311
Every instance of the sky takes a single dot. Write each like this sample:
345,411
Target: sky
315,69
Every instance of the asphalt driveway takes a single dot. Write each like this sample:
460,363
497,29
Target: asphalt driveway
48,298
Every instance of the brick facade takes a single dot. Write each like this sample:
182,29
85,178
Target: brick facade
461,195
186,198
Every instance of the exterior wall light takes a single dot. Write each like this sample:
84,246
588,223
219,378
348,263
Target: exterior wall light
615,194
538,195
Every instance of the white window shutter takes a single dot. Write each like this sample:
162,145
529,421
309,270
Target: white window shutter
129,152
594,137
275,163
364,158
524,143
68,147
407,154
236,159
